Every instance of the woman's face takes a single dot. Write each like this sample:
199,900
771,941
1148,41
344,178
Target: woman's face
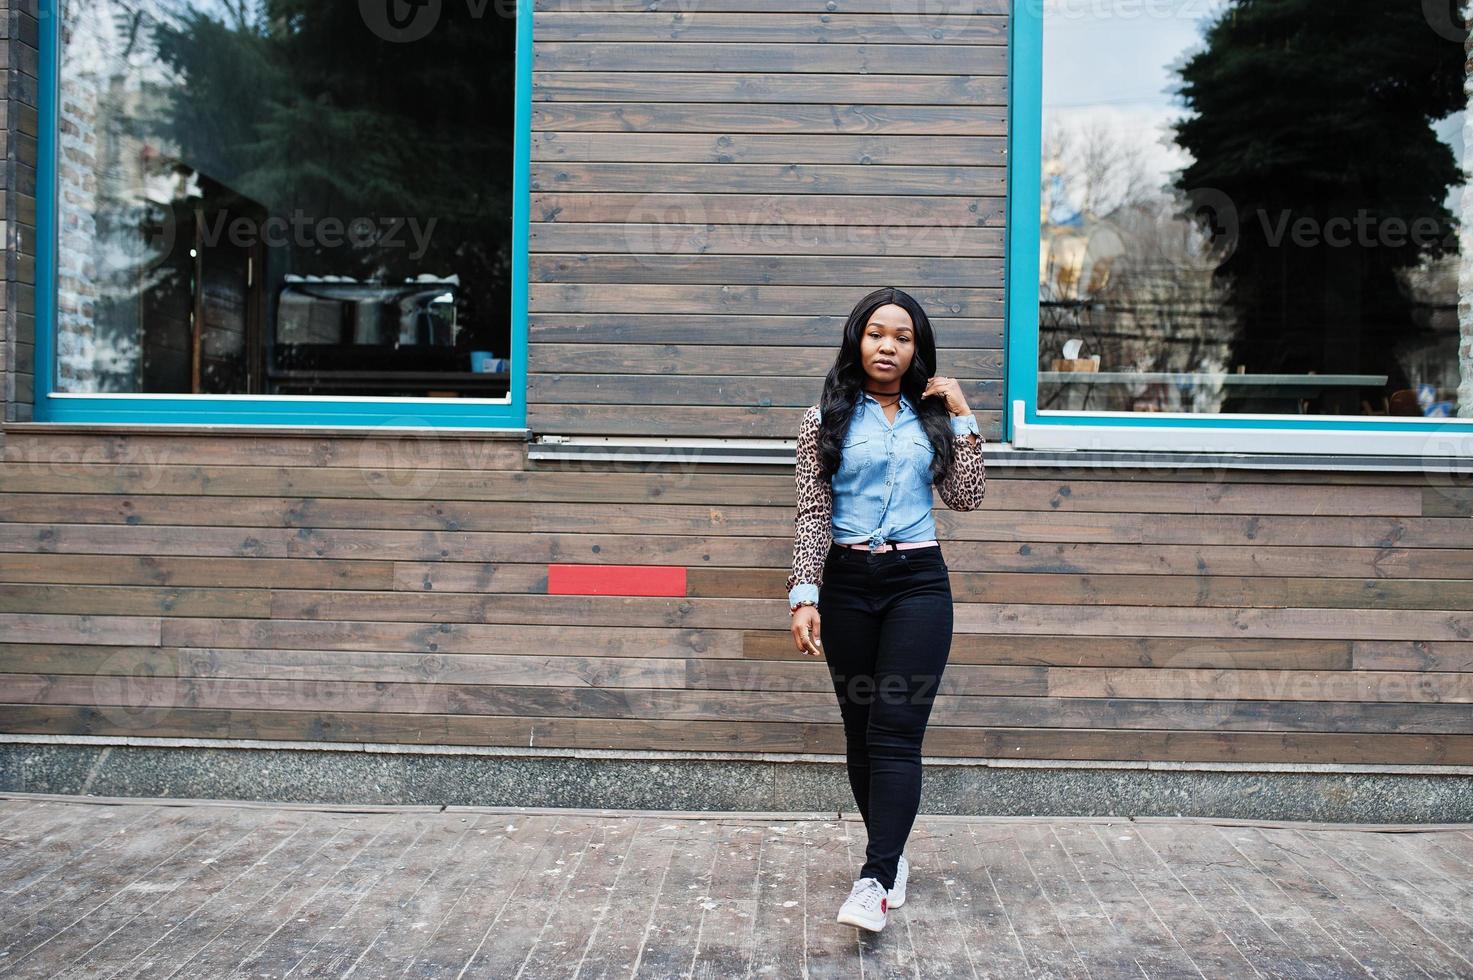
887,345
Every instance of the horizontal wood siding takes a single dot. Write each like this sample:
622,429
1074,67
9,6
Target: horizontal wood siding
347,589
339,589
715,187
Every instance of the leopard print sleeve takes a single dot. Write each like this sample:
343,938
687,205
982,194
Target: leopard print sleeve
967,481
812,527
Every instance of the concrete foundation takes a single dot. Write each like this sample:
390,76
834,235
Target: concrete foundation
394,775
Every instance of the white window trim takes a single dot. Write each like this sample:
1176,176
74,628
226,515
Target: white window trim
1441,444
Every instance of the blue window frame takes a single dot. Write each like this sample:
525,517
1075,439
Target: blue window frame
1026,426
301,410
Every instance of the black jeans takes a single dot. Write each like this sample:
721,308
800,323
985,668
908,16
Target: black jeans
886,622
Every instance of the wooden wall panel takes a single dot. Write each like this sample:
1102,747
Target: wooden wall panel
708,183
750,170
357,589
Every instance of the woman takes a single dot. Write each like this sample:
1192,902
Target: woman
885,431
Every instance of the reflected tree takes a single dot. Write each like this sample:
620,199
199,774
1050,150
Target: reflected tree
300,105
1315,120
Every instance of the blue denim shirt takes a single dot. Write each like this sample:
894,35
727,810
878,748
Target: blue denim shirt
882,490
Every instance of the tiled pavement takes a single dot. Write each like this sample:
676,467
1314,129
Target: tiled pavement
155,890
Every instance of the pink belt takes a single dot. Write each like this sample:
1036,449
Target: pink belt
892,546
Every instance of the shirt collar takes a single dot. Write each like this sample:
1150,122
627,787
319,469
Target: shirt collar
904,401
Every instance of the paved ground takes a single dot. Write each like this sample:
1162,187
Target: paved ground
140,889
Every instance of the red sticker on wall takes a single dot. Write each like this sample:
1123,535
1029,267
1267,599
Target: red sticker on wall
616,580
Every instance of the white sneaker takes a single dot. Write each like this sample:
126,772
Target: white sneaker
897,894
866,906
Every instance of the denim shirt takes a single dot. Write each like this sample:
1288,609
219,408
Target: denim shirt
881,491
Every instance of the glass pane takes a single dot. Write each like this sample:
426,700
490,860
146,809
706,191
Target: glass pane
1254,206
285,197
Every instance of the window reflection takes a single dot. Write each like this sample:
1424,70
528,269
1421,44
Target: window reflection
1254,206
273,197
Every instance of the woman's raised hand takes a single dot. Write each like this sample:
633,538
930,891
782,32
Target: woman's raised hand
950,391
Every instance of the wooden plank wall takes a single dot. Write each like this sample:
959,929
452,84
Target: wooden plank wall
359,588
715,185
332,589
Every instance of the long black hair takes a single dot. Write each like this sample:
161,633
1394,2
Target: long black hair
843,389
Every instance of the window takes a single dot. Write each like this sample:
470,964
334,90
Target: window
295,212
1240,225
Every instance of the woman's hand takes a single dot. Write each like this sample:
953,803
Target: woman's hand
950,391
805,631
